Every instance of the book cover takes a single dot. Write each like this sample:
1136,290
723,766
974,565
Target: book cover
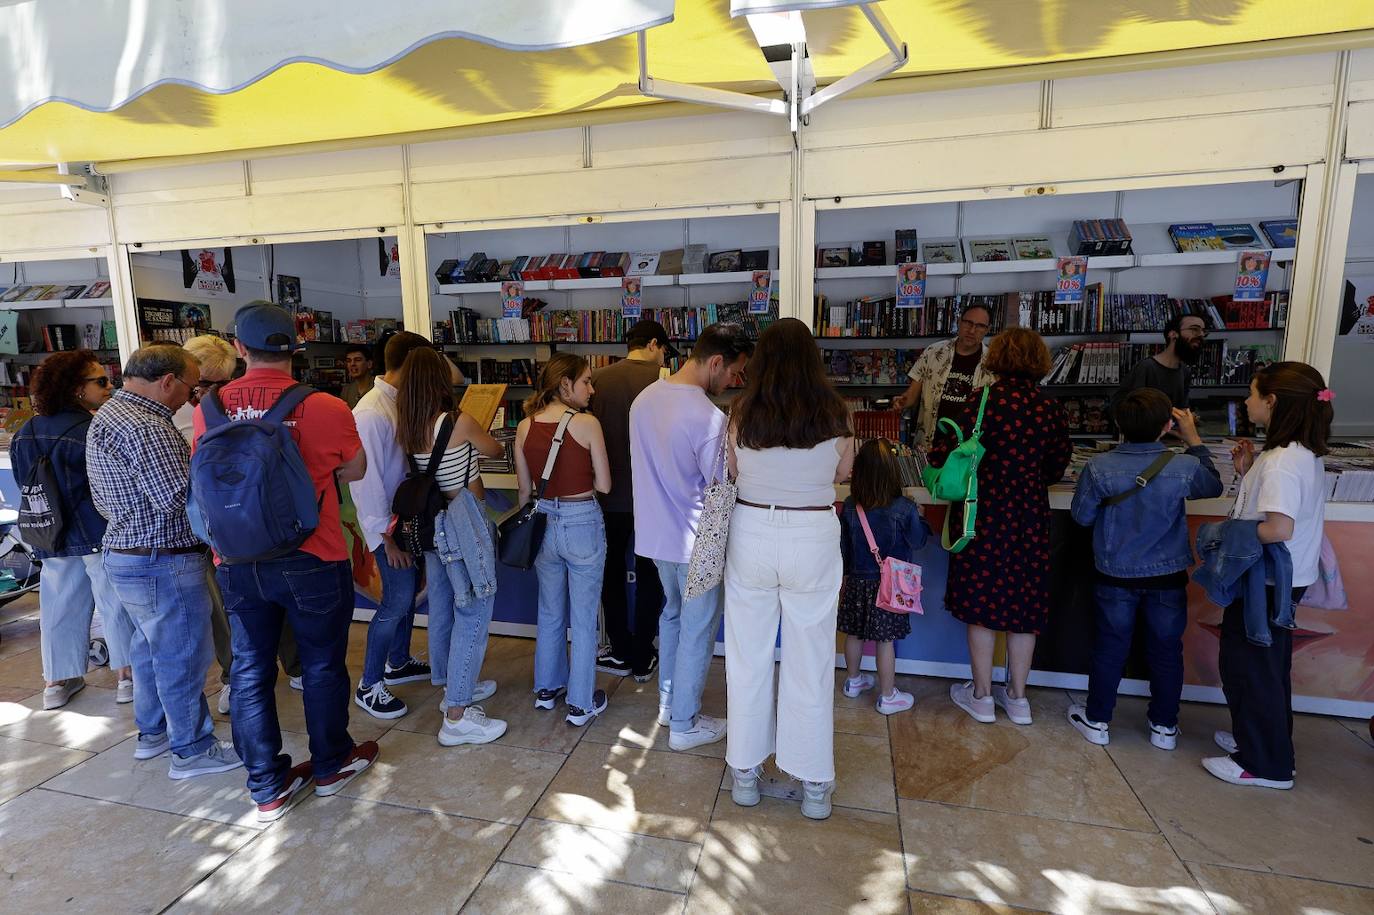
940,252
832,257
1238,235
1282,233
9,332
643,263
481,401
34,293
990,250
725,262
1032,248
670,262
97,290
70,292
154,314
874,254
14,293
754,260
907,246
193,315
1195,236
109,336
324,326
694,259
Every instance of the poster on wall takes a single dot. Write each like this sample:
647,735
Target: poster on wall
631,297
209,271
288,291
1073,274
911,285
1357,310
1252,273
389,257
9,332
512,298
761,292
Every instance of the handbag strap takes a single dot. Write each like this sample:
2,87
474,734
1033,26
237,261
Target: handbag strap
554,448
1148,474
722,461
868,534
978,423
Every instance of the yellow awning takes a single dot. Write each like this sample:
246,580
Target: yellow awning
455,82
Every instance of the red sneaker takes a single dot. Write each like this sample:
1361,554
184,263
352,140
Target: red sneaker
291,790
363,755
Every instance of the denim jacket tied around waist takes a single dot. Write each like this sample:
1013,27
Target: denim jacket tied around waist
1236,565
465,541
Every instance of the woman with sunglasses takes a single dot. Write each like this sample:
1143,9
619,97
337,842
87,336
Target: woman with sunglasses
67,389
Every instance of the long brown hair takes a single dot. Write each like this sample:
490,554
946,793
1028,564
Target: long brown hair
562,365
787,401
1298,416
877,480
424,390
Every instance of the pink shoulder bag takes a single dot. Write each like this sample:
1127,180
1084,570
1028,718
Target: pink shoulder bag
899,586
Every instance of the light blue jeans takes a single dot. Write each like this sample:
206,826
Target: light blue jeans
686,638
69,587
457,635
167,600
570,565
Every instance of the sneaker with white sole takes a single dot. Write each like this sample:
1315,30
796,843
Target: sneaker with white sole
548,698
613,665
647,674
706,730
744,787
1096,732
412,671
378,702
895,701
1162,737
961,694
296,683
220,757
473,727
854,687
60,694
298,778
124,692
1228,770
151,746
1018,710
222,704
816,799
482,690
665,707
362,756
580,716
1226,740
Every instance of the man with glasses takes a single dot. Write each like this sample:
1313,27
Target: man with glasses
1170,369
947,373
139,469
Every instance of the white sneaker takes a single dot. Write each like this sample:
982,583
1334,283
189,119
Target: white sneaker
1162,737
854,687
296,684
1093,731
222,706
896,701
124,692
665,708
979,709
481,691
706,730
59,695
816,799
1018,710
744,788
1228,770
473,727
1226,741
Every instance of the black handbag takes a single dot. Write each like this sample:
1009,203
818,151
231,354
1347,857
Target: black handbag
520,536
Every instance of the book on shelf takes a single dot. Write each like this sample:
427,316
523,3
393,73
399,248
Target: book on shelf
754,260
869,367
726,262
97,290
1282,233
1238,235
1099,237
833,257
9,332
69,292
670,262
643,263
1220,364
1195,236
36,293
874,254
880,317
1032,248
694,259
109,336
940,252
990,250
60,338
907,246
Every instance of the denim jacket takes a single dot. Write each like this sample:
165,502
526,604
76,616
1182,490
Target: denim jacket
63,438
1147,534
1235,564
465,543
898,529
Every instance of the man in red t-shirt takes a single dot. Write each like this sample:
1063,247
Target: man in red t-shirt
311,587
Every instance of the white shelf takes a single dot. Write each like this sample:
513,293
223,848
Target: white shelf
39,304
1114,262
609,282
90,303
711,279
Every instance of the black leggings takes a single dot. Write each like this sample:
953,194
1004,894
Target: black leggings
1258,682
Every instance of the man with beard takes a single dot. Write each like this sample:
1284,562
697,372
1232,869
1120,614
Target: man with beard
1169,370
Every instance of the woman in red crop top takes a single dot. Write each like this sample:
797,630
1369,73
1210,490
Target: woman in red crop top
573,554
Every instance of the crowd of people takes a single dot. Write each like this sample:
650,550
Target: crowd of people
618,462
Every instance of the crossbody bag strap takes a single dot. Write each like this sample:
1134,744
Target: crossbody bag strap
554,448
1146,475
868,534
978,423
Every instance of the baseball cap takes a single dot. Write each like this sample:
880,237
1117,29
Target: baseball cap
644,331
267,327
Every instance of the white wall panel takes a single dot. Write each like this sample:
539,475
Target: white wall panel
485,157
687,139
924,115
187,182
1359,135
321,211
1361,74
75,226
355,168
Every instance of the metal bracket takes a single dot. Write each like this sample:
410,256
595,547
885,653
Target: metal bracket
895,58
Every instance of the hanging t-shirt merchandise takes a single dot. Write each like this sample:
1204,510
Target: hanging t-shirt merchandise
958,383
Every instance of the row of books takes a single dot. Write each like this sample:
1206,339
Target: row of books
1143,312
592,325
1350,479
1099,237
1207,236
498,371
880,317
479,268
1219,364
873,366
48,293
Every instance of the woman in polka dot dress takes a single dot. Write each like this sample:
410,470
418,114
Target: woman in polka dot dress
1000,581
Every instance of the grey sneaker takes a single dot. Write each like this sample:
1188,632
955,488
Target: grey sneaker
220,757
222,706
473,727
151,746
816,799
124,692
59,695
745,790
482,690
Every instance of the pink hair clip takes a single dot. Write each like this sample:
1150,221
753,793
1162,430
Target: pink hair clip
1325,395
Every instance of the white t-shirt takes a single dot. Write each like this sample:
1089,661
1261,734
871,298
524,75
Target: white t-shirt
1291,481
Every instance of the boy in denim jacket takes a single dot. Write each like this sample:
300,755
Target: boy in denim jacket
1142,552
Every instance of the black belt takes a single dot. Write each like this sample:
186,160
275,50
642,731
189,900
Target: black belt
790,508
163,550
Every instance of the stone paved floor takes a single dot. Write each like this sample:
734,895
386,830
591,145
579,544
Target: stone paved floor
933,813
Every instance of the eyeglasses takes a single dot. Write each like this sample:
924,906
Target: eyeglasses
102,381
964,322
190,388
1192,331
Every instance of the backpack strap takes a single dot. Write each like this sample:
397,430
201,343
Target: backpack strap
553,452
868,534
436,454
1146,475
212,410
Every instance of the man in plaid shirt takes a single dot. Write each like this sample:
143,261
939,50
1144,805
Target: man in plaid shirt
139,468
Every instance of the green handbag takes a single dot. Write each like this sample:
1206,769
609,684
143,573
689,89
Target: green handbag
958,478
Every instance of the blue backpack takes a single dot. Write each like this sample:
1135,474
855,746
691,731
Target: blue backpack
251,496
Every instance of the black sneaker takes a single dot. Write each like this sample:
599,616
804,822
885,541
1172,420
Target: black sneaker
610,664
580,717
548,698
643,676
412,671
378,702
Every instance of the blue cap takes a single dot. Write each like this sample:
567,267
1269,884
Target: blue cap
267,327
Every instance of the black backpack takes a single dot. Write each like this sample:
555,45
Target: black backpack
42,514
418,500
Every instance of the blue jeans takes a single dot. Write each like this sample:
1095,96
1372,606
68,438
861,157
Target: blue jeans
170,649
316,598
1166,614
457,635
68,588
388,635
686,639
570,564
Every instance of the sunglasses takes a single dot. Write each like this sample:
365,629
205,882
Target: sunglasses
102,381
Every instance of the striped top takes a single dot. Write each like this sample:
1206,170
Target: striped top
458,466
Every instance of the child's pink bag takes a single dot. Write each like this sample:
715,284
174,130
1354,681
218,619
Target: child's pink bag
899,587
